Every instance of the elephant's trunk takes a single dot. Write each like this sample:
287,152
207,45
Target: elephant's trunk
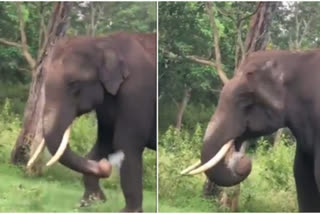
54,128
233,166
219,160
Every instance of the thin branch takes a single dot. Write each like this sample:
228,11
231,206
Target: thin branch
215,35
201,60
251,14
40,38
24,45
215,91
227,14
196,59
240,45
44,32
6,42
23,69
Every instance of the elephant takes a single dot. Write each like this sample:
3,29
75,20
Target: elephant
271,89
115,76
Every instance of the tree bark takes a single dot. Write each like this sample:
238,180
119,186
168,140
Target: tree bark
32,131
258,35
257,39
182,107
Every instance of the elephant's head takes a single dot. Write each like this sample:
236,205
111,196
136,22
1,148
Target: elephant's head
251,104
80,72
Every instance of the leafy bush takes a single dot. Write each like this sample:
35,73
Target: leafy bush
177,151
276,163
17,93
9,129
270,186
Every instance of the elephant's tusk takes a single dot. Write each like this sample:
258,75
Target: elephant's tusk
61,149
36,154
213,161
195,165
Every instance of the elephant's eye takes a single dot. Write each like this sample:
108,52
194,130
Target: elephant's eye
74,87
246,100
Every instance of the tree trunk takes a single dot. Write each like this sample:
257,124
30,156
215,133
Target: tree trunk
32,131
182,107
258,34
257,39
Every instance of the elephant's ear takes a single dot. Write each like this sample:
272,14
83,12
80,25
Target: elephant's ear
267,84
113,71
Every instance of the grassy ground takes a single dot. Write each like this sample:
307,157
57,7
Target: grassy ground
60,189
256,196
269,188
59,193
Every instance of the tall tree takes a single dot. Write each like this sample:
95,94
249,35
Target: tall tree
256,39
31,134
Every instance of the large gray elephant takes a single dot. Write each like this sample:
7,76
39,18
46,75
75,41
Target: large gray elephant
271,90
115,76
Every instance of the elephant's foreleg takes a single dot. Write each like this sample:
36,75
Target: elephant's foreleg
307,191
100,150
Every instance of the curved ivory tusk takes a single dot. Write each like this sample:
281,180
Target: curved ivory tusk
213,161
36,154
62,147
195,165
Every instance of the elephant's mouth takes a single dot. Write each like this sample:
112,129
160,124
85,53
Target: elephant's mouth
229,166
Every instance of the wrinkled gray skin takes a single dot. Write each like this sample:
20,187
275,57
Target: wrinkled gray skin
116,77
271,90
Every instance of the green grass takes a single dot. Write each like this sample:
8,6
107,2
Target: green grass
269,188
256,196
20,193
60,189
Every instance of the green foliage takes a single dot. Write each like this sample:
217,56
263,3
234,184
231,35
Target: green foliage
269,188
295,26
83,134
86,18
177,147
276,162
15,93
194,113
9,129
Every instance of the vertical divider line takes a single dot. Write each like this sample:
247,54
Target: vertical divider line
157,109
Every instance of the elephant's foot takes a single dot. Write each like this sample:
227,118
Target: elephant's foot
130,210
90,197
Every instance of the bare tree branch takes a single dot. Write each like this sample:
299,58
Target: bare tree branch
201,60
215,35
196,59
248,16
6,42
24,45
44,33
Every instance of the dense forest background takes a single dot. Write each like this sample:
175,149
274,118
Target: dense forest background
190,81
23,28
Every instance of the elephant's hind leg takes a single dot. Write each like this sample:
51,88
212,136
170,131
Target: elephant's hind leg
101,149
307,191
